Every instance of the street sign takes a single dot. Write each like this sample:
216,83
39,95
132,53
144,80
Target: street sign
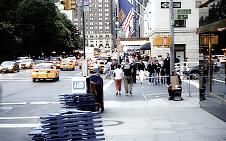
182,11
181,17
166,4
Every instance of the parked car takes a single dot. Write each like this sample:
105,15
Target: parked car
26,63
67,64
45,71
9,66
193,72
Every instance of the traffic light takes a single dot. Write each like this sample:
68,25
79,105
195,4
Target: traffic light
69,4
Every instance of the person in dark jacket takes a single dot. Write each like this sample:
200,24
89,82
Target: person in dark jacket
150,69
166,64
134,70
128,80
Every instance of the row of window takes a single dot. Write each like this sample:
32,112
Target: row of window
100,36
95,14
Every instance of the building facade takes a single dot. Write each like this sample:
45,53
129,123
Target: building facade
98,24
213,55
186,22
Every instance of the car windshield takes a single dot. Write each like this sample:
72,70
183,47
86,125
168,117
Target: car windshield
7,63
44,66
54,59
26,60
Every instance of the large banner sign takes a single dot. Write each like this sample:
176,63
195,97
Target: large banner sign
126,15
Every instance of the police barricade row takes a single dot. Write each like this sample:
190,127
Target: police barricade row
85,102
69,124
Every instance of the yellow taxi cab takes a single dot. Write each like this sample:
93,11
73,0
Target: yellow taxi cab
67,64
45,71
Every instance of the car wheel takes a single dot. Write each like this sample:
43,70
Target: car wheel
34,79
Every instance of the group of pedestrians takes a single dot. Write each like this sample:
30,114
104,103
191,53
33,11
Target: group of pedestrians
128,70
124,72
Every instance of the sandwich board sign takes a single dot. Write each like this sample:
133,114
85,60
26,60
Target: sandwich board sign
79,85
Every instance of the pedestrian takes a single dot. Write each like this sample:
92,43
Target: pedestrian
166,64
150,69
141,68
174,85
134,70
202,84
118,76
128,80
157,71
96,67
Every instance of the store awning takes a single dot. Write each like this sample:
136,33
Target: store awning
146,46
213,27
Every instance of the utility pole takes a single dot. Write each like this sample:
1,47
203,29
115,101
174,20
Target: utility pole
83,30
172,50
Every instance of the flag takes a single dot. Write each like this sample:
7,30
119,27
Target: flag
126,14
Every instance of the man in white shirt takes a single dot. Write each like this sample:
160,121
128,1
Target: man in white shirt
118,76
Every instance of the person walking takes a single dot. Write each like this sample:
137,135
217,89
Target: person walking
128,80
134,70
166,64
141,68
118,76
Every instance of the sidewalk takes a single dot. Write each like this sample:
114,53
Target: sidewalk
158,119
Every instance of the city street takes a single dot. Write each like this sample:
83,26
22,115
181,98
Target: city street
125,117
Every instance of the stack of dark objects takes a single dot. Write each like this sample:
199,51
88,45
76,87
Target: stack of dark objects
70,125
84,102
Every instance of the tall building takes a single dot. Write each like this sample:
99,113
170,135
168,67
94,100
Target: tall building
98,24
186,22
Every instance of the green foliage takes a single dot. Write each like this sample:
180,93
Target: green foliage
34,27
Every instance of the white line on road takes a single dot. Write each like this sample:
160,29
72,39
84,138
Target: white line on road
19,125
219,80
43,102
108,84
79,73
12,118
14,103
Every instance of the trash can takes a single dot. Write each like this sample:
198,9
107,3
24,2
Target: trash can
95,87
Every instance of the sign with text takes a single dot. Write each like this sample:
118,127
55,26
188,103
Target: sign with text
181,17
166,4
79,85
182,11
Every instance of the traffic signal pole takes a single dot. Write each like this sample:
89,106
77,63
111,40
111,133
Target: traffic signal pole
172,50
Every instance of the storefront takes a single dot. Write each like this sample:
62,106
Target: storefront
212,51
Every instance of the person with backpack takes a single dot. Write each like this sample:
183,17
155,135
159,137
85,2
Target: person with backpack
128,80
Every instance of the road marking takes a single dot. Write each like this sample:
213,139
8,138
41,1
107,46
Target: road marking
43,102
219,80
79,73
12,118
14,103
19,125
108,84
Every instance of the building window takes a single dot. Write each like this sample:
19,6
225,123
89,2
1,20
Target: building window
100,10
100,14
106,1
100,23
100,18
106,10
179,23
100,5
100,36
100,27
107,36
100,1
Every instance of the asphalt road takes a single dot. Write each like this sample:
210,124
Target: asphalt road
23,101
